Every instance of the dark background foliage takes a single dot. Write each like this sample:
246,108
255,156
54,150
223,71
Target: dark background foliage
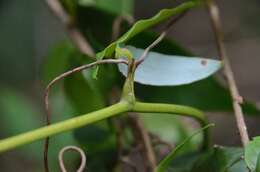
28,32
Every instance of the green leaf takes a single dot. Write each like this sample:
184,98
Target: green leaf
252,151
57,60
165,70
142,25
220,159
258,164
16,108
70,6
184,162
164,164
20,114
217,159
83,96
207,94
118,7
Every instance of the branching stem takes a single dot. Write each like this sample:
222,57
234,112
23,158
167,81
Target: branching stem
237,99
86,119
55,80
161,37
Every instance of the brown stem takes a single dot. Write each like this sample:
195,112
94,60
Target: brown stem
72,148
157,140
237,99
128,162
75,35
117,123
47,91
146,51
142,135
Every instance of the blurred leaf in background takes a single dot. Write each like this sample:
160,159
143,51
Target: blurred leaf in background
19,114
17,41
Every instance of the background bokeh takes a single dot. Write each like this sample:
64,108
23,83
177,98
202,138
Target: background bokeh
28,31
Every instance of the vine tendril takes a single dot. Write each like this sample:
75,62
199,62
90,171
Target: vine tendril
76,149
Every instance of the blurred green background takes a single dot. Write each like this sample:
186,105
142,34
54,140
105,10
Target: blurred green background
28,32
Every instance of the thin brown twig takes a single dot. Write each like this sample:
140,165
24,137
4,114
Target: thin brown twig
142,135
237,99
128,162
72,148
117,123
55,80
160,38
146,51
157,140
74,33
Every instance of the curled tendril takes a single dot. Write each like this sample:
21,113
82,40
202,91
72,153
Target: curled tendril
76,149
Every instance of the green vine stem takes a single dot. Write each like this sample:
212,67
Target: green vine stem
127,104
60,127
122,106
176,110
128,93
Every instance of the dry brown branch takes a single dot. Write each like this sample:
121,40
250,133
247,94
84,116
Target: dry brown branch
55,80
128,162
237,99
74,33
117,123
72,148
158,141
142,137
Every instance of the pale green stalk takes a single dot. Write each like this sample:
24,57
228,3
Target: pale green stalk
87,119
60,127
